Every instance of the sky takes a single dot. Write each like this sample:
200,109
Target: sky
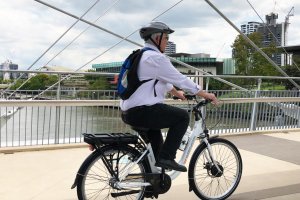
28,28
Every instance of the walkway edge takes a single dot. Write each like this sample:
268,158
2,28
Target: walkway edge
11,150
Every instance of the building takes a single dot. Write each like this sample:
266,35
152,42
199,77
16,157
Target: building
275,33
170,48
228,66
250,27
71,82
272,33
201,61
290,53
8,65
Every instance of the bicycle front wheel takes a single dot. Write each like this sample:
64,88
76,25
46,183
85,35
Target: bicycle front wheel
96,181
206,180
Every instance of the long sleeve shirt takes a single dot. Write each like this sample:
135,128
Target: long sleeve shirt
156,66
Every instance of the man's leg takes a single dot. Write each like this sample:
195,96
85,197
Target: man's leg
156,141
161,116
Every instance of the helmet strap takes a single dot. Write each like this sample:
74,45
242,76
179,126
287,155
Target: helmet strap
155,43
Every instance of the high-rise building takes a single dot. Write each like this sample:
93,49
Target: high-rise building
250,27
8,65
170,48
272,32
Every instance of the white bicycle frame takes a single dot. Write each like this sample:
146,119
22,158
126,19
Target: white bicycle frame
197,131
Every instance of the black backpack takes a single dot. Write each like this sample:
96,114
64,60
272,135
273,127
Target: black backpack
128,81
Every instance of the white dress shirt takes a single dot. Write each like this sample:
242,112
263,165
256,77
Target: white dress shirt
156,66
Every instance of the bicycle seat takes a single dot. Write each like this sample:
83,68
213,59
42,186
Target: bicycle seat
143,132
140,129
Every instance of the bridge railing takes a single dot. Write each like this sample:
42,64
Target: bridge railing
44,122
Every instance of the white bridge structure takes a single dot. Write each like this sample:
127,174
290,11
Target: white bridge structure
44,122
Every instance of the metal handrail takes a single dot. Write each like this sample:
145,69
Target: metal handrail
116,102
43,122
108,73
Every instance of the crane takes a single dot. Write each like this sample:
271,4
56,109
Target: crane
286,24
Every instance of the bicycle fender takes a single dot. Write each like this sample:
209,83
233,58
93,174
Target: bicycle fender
79,173
81,168
194,156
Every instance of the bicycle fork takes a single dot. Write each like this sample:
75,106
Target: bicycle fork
211,157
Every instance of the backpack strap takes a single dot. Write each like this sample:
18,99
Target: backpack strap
154,87
144,81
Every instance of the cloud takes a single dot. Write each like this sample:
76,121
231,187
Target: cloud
28,28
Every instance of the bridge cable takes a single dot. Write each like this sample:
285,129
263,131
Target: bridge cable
53,44
130,41
277,40
74,39
253,44
122,39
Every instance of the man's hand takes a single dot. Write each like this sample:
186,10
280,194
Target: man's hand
178,93
210,96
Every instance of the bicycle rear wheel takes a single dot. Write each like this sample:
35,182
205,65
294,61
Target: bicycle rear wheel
96,182
204,178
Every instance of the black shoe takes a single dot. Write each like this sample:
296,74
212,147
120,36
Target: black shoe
170,164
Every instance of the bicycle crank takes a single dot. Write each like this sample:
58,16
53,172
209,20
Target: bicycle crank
118,194
161,183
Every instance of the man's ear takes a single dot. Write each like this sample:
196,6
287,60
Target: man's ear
157,39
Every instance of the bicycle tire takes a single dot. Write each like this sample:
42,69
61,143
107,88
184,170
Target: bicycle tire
94,178
204,179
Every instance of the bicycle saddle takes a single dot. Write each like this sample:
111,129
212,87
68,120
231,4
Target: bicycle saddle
143,132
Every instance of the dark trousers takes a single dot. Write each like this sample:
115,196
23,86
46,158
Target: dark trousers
157,117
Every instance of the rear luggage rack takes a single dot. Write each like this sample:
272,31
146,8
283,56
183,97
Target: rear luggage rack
110,138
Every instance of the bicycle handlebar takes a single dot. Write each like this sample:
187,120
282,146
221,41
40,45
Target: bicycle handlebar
193,97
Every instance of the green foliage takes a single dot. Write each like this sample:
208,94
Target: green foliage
97,82
249,62
16,85
217,85
292,71
2,81
40,82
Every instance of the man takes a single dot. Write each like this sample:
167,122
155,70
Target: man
145,107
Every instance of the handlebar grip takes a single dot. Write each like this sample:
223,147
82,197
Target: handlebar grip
190,96
207,101
187,96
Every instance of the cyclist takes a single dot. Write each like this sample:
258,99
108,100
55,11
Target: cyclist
145,107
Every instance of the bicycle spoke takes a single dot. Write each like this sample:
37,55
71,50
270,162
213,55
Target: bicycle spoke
208,182
98,182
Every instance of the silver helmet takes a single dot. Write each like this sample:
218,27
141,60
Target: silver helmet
154,27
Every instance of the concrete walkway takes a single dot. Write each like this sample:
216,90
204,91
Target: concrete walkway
271,171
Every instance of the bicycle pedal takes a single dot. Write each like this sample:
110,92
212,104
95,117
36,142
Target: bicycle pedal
166,169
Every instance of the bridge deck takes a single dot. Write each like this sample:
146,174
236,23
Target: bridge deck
271,171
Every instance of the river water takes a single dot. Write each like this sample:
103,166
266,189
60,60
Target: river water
46,125
49,125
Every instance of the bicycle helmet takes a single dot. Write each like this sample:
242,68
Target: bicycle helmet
154,27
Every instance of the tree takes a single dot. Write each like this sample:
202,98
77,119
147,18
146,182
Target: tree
16,85
249,62
97,82
40,82
293,71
